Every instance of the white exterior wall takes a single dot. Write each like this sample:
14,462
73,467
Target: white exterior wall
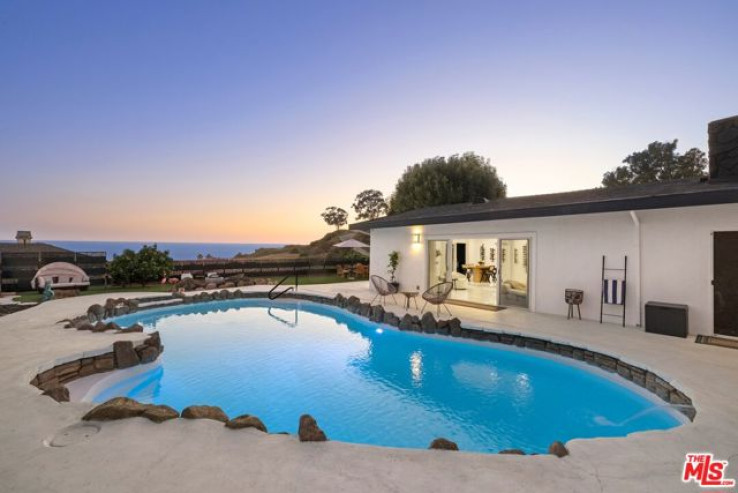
672,262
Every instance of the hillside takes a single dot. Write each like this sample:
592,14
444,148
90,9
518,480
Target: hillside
318,248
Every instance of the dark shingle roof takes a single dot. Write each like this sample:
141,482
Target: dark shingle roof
682,193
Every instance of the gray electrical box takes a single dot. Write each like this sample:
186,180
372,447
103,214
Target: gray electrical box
667,318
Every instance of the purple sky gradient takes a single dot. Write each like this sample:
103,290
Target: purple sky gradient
238,121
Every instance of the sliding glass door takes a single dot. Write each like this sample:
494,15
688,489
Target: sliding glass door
514,276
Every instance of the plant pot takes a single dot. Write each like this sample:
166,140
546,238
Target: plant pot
396,285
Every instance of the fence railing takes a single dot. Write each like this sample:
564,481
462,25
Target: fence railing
258,268
18,268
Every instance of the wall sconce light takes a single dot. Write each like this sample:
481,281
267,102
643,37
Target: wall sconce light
416,238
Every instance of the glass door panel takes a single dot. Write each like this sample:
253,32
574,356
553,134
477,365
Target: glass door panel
514,267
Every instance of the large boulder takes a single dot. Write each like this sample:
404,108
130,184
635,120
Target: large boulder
188,284
133,328
59,393
86,326
109,307
365,310
246,421
125,354
443,444
558,449
112,326
428,322
122,310
454,327
205,412
95,313
132,305
147,354
391,319
116,408
377,314
511,451
406,322
100,327
309,431
154,340
353,304
160,413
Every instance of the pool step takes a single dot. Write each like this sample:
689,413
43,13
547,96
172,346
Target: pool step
169,301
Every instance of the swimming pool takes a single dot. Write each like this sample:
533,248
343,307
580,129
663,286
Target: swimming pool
371,384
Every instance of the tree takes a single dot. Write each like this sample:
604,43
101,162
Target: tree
335,216
370,204
658,162
122,267
149,264
441,181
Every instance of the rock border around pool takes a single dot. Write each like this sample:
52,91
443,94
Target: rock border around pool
427,324
452,327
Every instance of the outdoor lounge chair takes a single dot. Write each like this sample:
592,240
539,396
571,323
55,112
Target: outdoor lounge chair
436,295
384,288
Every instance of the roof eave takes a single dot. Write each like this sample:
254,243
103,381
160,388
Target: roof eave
713,197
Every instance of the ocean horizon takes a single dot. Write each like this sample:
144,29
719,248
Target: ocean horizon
178,251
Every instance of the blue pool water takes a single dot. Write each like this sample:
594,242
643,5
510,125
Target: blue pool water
366,383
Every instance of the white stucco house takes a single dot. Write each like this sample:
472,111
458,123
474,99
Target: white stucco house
680,239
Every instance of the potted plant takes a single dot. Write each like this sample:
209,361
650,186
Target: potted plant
481,254
394,262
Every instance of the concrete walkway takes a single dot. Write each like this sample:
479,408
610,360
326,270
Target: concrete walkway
201,455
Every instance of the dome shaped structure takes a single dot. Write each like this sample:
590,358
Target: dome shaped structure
61,275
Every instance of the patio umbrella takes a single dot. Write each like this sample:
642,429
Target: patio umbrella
351,244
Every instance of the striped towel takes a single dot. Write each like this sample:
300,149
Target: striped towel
613,291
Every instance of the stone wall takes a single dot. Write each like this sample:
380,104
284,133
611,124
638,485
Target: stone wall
123,355
723,143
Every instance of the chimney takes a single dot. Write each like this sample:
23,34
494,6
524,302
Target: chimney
23,237
723,141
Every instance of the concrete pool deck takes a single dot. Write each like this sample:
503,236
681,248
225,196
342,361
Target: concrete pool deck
183,455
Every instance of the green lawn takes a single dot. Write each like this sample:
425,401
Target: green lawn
33,296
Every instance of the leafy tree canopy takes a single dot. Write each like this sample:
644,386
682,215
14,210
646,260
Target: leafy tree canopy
370,204
451,180
660,161
146,265
335,216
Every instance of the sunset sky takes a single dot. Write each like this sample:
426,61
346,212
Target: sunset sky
241,121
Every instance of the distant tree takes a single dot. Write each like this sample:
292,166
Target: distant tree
146,265
335,216
660,161
199,256
370,204
442,181
208,256
122,268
